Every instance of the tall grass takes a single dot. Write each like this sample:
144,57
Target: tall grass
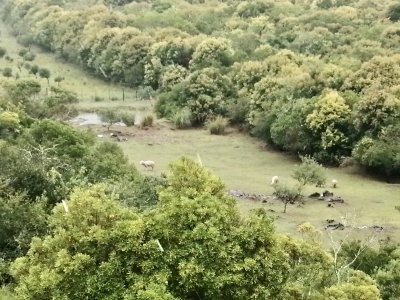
147,121
183,119
218,125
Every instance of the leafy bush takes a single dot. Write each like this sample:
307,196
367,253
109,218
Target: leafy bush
393,13
147,121
309,172
238,111
183,118
7,72
61,96
29,56
109,116
217,125
3,52
22,52
44,73
34,69
128,118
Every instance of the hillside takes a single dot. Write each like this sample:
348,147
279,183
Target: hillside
244,91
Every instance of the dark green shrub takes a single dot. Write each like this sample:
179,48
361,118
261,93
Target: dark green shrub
3,52
98,99
393,13
34,69
7,72
217,125
29,56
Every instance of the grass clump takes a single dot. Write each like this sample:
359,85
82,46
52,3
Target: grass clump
98,99
218,125
147,121
128,118
182,119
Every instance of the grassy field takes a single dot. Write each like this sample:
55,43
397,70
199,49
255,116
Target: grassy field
246,164
84,84
242,162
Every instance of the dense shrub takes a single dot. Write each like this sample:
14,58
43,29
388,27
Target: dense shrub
128,118
7,72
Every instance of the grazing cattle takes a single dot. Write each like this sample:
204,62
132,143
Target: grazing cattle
147,164
274,180
334,183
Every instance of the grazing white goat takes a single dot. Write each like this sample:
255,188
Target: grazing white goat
147,164
334,183
274,180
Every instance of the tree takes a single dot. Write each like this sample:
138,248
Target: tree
210,52
181,249
288,194
380,154
376,109
329,122
309,172
110,117
20,220
388,279
34,69
44,73
358,286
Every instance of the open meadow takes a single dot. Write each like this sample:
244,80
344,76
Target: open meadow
246,164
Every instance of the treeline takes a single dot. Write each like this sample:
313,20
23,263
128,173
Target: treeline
316,78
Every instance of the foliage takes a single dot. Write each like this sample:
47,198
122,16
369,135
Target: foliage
128,118
329,119
393,13
109,116
182,119
44,73
217,125
7,72
20,221
380,154
287,194
3,52
309,172
147,120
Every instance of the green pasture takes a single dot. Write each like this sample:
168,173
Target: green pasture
246,164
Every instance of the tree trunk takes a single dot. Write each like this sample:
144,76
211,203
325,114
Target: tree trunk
284,209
